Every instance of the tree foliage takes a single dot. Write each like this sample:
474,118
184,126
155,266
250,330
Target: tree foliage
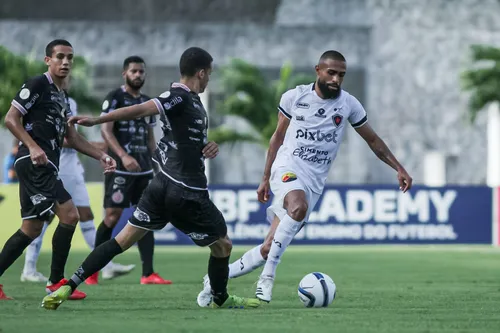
483,80
16,69
250,96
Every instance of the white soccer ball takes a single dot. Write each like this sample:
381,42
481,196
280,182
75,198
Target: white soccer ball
317,290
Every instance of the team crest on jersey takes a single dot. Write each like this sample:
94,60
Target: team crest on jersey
320,113
337,119
288,177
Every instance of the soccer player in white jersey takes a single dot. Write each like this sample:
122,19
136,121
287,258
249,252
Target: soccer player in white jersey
71,173
311,123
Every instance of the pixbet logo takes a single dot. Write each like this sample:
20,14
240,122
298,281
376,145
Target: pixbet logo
316,136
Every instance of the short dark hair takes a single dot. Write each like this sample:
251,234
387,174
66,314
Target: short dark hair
132,59
193,60
333,55
49,49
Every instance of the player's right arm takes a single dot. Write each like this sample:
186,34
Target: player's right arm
25,99
275,143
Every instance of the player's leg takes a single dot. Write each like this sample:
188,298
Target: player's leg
95,261
197,216
30,272
36,200
296,205
247,263
15,245
117,197
146,244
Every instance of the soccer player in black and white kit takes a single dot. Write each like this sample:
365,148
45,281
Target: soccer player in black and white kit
178,194
131,143
38,118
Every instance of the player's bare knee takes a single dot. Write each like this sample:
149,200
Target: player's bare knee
70,218
85,214
222,248
298,210
112,217
32,228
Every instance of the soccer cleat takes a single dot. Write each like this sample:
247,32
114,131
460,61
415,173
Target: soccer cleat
76,295
3,297
113,270
53,300
235,302
154,278
33,277
264,290
205,296
93,279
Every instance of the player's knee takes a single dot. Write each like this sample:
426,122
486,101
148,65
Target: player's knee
112,218
72,217
298,210
222,248
86,215
32,228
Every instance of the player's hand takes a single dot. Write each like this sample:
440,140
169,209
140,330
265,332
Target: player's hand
130,164
405,180
108,164
263,191
38,156
211,150
82,120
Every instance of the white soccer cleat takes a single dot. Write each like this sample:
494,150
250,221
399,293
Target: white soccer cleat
264,290
205,296
113,270
33,277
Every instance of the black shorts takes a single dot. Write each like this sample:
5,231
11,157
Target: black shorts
39,189
123,191
190,211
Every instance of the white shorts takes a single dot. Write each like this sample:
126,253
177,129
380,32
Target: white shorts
75,185
282,181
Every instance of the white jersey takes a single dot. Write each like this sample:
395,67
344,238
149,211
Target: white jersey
316,129
69,163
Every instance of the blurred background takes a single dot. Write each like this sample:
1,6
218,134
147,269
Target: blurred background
427,72
405,62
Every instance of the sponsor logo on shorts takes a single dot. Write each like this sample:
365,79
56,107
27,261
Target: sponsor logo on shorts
120,180
37,198
288,177
197,236
117,197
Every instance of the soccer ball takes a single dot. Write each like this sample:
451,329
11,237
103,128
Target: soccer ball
317,290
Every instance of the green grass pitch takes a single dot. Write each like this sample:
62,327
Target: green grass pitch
380,289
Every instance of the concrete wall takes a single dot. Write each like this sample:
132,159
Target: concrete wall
404,59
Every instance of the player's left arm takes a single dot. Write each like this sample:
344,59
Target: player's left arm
359,121
78,142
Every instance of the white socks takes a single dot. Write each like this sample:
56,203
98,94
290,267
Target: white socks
88,231
251,260
287,229
33,252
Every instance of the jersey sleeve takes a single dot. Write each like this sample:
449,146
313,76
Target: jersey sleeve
29,95
110,103
168,102
357,117
286,103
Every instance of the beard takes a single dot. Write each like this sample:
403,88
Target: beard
327,92
136,84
